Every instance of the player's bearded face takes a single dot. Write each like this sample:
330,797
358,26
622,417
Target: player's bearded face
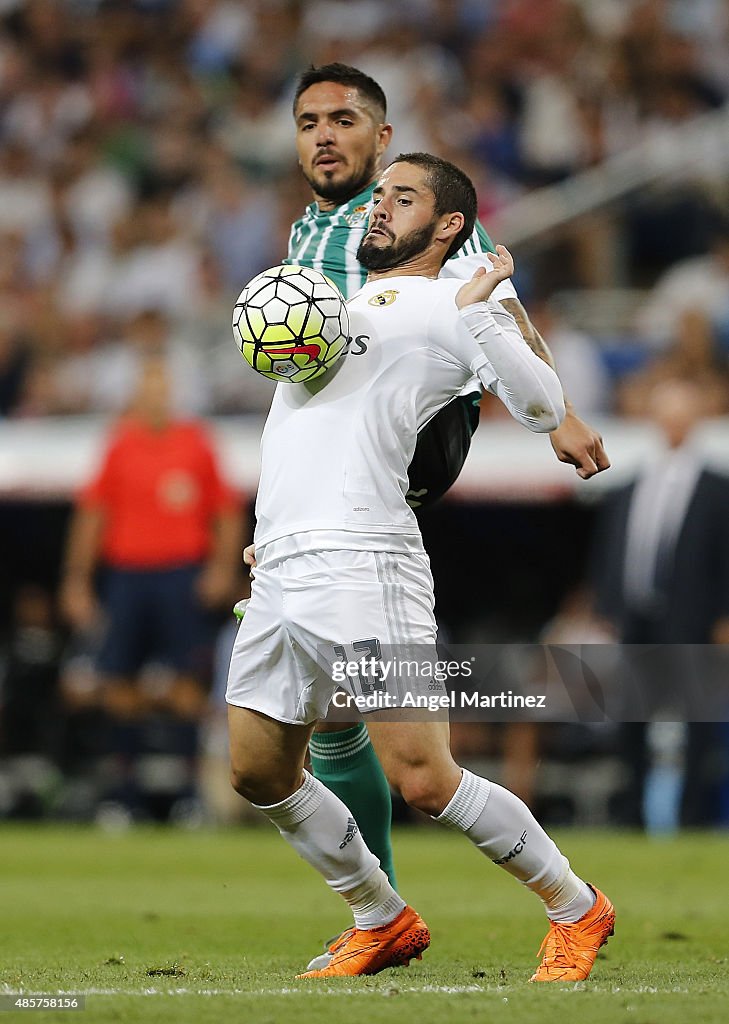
338,140
340,181
383,250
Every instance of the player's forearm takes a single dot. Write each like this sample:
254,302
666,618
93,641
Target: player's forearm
84,541
527,385
528,331
533,339
227,540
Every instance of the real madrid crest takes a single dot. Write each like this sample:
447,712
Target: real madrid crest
384,298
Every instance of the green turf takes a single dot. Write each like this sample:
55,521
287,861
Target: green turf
234,914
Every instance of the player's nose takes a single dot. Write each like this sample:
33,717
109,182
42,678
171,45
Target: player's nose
324,134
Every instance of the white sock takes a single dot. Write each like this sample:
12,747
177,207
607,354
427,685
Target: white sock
503,827
374,903
323,832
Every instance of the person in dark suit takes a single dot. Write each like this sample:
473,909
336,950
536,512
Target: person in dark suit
660,573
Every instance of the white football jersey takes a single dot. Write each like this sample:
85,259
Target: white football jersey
335,451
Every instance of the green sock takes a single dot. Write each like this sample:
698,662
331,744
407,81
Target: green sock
347,764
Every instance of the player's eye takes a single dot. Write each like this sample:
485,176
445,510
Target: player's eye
345,122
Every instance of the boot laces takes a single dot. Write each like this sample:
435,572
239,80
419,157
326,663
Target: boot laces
557,947
338,941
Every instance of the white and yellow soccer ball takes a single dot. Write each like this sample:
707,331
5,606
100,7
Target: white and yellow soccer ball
291,323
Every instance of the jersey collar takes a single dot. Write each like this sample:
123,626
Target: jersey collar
362,198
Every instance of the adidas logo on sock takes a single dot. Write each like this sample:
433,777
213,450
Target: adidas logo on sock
352,830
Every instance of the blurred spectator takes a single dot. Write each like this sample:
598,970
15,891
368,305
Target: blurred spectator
14,360
31,725
553,138
94,194
97,374
25,196
218,29
694,357
170,164
85,273
663,550
578,358
236,220
29,675
48,113
255,131
233,388
696,285
38,395
661,575
160,270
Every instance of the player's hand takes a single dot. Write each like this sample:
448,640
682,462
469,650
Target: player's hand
483,282
249,555
78,604
215,584
578,444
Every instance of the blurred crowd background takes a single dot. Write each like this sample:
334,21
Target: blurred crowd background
147,171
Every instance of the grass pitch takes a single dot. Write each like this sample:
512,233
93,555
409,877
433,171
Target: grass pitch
162,925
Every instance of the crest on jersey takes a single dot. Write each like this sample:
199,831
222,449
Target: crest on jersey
384,298
357,216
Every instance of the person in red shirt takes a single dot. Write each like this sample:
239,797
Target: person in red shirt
165,529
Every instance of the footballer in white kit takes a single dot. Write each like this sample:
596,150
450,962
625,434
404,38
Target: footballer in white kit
341,571
341,568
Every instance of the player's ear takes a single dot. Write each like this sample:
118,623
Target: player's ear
384,137
449,224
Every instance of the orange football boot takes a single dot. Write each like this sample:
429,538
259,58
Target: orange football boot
570,949
332,945
371,950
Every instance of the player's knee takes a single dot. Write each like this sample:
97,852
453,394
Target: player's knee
261,787
421,789
243,783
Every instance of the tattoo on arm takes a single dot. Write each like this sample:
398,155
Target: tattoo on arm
529,332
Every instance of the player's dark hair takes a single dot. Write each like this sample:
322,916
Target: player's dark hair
452,190
343,74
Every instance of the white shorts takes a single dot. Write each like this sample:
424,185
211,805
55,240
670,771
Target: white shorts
309,611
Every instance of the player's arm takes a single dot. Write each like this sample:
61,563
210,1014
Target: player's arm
217,581
528,386
77,597
528,331
218,578
574,441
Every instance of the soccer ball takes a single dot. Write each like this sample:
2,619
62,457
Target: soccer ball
291,323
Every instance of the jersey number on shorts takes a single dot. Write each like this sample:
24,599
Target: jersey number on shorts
367,655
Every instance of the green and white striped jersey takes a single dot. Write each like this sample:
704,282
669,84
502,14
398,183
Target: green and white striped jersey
328,241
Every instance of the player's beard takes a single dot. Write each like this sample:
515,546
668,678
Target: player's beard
376,257
344,190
